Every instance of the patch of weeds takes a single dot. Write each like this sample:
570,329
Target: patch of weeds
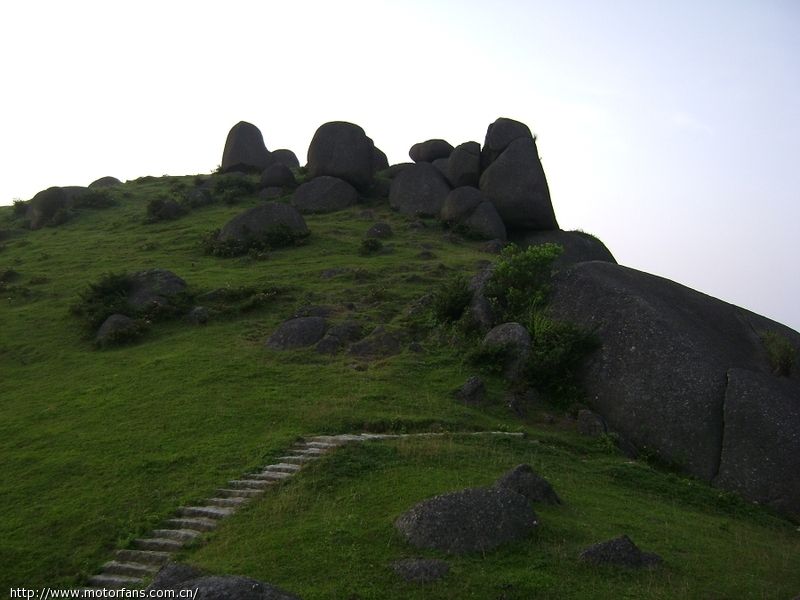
450,300
370,247
780,352
490,359
240,299
95,199
521,280
108,296
20,208
231,188
278,237
163,209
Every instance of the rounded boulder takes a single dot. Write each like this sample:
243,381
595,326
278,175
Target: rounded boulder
419,190
323,195
342,150
245,149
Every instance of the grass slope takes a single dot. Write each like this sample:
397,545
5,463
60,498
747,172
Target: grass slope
97,447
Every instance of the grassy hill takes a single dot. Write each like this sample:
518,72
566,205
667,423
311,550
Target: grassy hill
99,446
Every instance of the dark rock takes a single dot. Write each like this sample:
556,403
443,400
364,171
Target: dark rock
379,160
441,166
277,175
464,165
231,588
499,136
660,376
516,184
484,223
380,188
380,231
264,219
471,520
420,570
339,336
245,150
285,157
272,193
479,309
44,206
323,195
112,328
378,344
578,246
459,204
297,333
167,210
761,442
515,341
199,196
522,479
473,392
342,150
419,190
199,315
493,246
154,288
105,182
591,424
396,169
171,574
430,150
619,552
74,191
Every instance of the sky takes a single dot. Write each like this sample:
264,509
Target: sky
671,130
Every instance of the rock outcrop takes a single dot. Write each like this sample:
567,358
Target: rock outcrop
342,150
419,190
578,246
245,150
264,220
430,150
323,195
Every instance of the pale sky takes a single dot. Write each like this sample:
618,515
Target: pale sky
671,130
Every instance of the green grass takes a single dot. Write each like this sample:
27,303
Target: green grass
97,447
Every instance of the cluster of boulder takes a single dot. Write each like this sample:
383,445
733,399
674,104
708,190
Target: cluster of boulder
51,206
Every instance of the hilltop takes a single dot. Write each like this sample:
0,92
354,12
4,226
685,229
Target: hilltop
362,316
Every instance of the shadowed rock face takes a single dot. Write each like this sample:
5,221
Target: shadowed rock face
245,149
430,150
661,377
419,190
342,150
620,552
323,195
286,157
263,219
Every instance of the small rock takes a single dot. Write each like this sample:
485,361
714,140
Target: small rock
277,175
430,150
297,333
591,424
420,570
378,344
199,315
524,480
380,231
473,392
620,552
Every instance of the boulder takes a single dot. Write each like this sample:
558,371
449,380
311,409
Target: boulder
44,207
380,230
514,341
660,376
104,182
323,195
464,165
342,150
619,552
420,570
263,220
430,150
472,393
379,160
286,157
171,574
272,193
499,136
245,150
419,190
761,440
297,333
459,204
591,424
484,223
516,184
378,344
230,587
479,309
523,480
154,288
471,520
114,328
441,166
578,246
339,336
277,175
396,169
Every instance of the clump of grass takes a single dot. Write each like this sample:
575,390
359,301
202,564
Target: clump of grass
95,199
781,353
231,188
105,297
450,300
370,247
277,237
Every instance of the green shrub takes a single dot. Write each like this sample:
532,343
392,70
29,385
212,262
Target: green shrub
124,335
231,188
781,353
279,237
451,299
96,199
20,208
370,246
104,298
164,209
520,281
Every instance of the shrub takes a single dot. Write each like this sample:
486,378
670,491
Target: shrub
781,353
96,199
124,335
520,281
370,246
279,237
163,209
232,188
104,298
451,299
20,208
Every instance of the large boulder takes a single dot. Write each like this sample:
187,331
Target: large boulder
516,184
619,552
761,440
264,220
524,480
44,207
419,190
323,195
578,246
379,160
499,136
464,165
430,150
342,150
661,374
245,149
297,333
277,175
285,157
469,211
471,520
154,288
105,182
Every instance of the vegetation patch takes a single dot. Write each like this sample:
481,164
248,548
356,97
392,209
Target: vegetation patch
277,237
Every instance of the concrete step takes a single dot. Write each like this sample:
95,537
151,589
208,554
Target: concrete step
209,512
269,475
282,466
297,459
258,484
149,557
240,493
130,569
115,582
182,535
305,451
197,523
160,544
228,502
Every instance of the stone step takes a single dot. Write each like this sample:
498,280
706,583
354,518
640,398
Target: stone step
320,445
129,569
228,502
240,493
297,459
149,557
209,512
182,535
251,483
308,451
287,467
197,523
160,544
269,475
115,582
